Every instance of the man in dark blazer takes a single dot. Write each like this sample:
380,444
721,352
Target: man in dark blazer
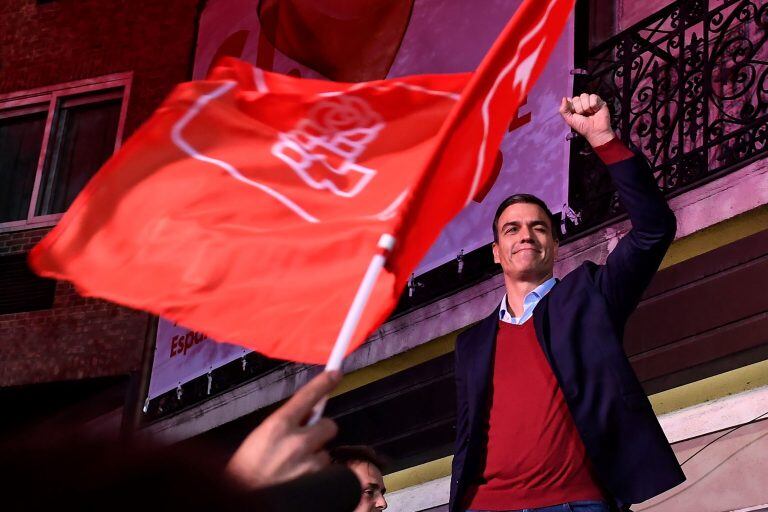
551,416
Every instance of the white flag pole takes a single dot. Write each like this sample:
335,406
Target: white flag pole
386,243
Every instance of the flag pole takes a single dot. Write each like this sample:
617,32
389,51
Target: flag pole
348,328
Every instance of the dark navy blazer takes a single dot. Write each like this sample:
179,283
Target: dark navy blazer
580,326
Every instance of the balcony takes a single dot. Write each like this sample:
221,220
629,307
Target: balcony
688,87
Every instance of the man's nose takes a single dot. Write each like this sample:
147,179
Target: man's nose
526,234
381,503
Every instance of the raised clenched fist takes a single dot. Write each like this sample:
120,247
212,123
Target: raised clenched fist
588,115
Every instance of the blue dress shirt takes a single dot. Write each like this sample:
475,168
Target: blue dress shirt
529,303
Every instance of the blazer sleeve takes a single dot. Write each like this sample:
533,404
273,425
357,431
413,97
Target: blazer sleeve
633,262
462,427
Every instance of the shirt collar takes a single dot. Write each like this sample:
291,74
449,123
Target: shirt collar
531,299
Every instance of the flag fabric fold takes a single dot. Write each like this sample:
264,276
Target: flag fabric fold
250,204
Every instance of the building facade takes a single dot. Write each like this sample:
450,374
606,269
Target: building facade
76,79
687,84
684,82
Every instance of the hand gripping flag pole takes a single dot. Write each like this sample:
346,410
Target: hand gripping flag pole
348,328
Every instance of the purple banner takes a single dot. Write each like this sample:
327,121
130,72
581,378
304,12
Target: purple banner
439,36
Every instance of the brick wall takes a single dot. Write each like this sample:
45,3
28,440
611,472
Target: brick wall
79,338
62,41
67,40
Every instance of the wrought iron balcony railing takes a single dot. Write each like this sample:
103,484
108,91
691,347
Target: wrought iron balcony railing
688,86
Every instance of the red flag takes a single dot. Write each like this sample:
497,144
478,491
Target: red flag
251,205
334,38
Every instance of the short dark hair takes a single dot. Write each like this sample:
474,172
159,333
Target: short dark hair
523,198
356,453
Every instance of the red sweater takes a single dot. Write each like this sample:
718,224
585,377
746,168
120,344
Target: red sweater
535,457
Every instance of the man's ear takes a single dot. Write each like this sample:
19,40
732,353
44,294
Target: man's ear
495,248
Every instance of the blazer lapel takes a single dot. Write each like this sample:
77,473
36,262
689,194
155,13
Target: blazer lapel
481,363
540,324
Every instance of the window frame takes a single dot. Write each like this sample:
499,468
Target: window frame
50,98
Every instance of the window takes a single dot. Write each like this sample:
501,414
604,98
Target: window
23,290
52,140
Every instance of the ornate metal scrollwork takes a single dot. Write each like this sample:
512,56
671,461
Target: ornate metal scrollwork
688,88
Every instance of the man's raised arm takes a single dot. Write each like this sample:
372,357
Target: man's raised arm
632,264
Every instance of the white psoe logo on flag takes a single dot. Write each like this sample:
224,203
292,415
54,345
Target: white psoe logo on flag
324,147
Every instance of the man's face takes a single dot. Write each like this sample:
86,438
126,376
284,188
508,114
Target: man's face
373,487
526,248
